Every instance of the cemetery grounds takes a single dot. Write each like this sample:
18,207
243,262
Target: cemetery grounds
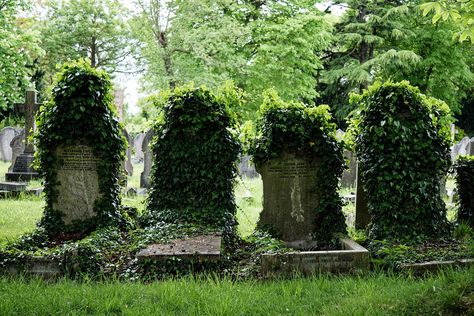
450,292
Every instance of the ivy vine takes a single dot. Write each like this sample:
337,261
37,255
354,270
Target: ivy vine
402,142
308,132
194,168
465,185
81,112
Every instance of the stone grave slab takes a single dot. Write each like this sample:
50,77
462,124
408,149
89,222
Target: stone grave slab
352,258
78,182
203,248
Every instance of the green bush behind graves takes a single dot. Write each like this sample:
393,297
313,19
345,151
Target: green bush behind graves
465,185
292,126
81,110
402,143
194,166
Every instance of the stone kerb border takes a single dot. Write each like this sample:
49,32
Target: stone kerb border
351,258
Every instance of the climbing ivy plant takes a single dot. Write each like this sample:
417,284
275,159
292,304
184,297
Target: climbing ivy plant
307,131
465,185
81,112
402,142
194,168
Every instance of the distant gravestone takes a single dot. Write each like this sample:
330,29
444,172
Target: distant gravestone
78,182
463,146
137,146
246,168
127,164
290,198
470,147
17,146
348,179
147,160
6,136
362,217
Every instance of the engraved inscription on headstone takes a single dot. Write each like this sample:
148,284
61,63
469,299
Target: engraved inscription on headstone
78,183
290,198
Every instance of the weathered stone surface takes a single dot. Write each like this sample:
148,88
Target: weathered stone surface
470,147
6,136
18,146
201,248
147,160
127,164
246,168
78,183
362,218
349,175
433,266
137,145
41,267
290,198
351,258
13,186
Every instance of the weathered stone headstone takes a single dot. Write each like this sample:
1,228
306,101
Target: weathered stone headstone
470,147
78,182
147,161
349,175
137,145
6,136
17,146
22,169
362,218
246,168
127,164
290,198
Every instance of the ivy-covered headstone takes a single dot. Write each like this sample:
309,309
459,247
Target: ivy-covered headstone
80,149
194,162
402,141
301,162
465,185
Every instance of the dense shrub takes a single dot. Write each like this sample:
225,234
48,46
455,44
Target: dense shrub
465,185
194,162
308,131
81,110
402,144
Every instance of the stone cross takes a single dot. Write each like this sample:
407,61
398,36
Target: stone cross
29,109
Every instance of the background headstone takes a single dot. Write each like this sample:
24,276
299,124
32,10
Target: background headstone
137,145
470,147
147,160
348,179
246,167
290,198
362,219
6,136
127,164
17,146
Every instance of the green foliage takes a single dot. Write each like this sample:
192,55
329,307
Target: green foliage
465,186
81,111
18,48
402,143
307,131
194,162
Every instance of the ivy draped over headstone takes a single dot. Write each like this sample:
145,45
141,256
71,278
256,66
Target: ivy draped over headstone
465,185
307,131
194,163
402,142
81,112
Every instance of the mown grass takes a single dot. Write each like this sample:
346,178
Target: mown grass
376,294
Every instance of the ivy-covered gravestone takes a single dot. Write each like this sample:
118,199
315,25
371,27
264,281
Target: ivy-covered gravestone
402,142
80,149
301,162
194,162
465,185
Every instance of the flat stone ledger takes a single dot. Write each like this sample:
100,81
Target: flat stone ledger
290,198
78,183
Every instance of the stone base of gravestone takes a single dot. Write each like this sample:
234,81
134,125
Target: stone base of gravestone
200,248
78,183
352,258
290,198
22,169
